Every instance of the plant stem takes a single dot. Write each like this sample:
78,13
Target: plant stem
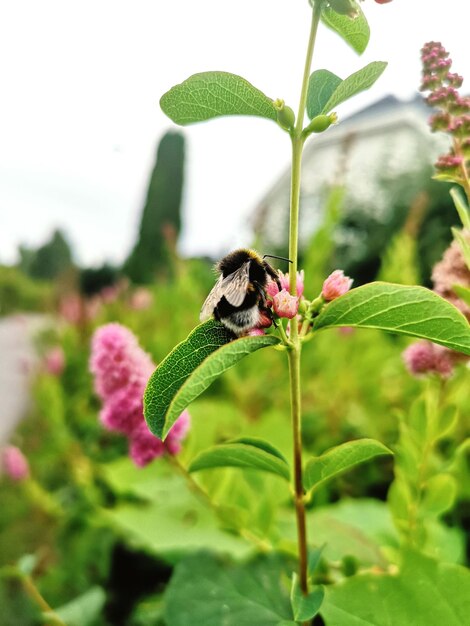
33,592
294,350
263,545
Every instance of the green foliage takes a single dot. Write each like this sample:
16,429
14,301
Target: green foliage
19,293
51,259
160,224
305,607
190,368
401,309
423,592
82,611
212,94
424,487
354,31
326,90
340,459
246,453
206,591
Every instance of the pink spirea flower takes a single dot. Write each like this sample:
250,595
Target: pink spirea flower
284,280
118,361
15,463
285,305
424,357
121,370
336,285
54,361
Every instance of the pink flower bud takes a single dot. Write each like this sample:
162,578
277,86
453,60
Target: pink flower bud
272,289
336,285
145,447
254,332
284,280
285,305
54,361
15,463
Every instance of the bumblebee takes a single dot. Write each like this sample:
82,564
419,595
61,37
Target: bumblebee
238,298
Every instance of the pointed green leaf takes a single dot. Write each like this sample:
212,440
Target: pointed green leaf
361,80
354,31
82,611
321,86
400,309
461,207
245,453
213,94
423,593
209,591
439,494
305,607
462,292
341,458
464,245
190,368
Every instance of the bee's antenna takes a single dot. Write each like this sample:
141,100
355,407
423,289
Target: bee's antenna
274,256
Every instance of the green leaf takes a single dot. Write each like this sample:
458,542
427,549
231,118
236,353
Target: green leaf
400,309
321,86
314,556
84,610
462,292
424,592
213,94
354,31
439,495
361,80
464,245
246,453
341,458
305,607
205,591
190,368
461,207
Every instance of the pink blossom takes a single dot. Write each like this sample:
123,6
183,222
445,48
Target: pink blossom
145,447
284,280
336,285
271,288
118,361
424,357
122,369
15,463
54,361
255,331
285,305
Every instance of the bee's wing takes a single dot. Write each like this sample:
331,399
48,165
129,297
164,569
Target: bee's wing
233,287
211,301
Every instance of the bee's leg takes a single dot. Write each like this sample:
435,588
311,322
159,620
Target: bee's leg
273,273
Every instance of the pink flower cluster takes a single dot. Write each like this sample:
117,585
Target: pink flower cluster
425,357
453,115
121,370
283,303
14,463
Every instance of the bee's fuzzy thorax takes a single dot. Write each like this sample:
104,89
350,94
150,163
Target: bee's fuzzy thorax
236,258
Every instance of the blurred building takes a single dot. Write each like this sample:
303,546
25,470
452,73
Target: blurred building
382,155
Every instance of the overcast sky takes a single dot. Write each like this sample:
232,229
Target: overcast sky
80,121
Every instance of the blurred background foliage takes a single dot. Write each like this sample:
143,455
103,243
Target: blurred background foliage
106,535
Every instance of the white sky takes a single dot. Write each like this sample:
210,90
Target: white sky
79,116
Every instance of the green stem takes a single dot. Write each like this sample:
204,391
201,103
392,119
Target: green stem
204,497
35,595
294,350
